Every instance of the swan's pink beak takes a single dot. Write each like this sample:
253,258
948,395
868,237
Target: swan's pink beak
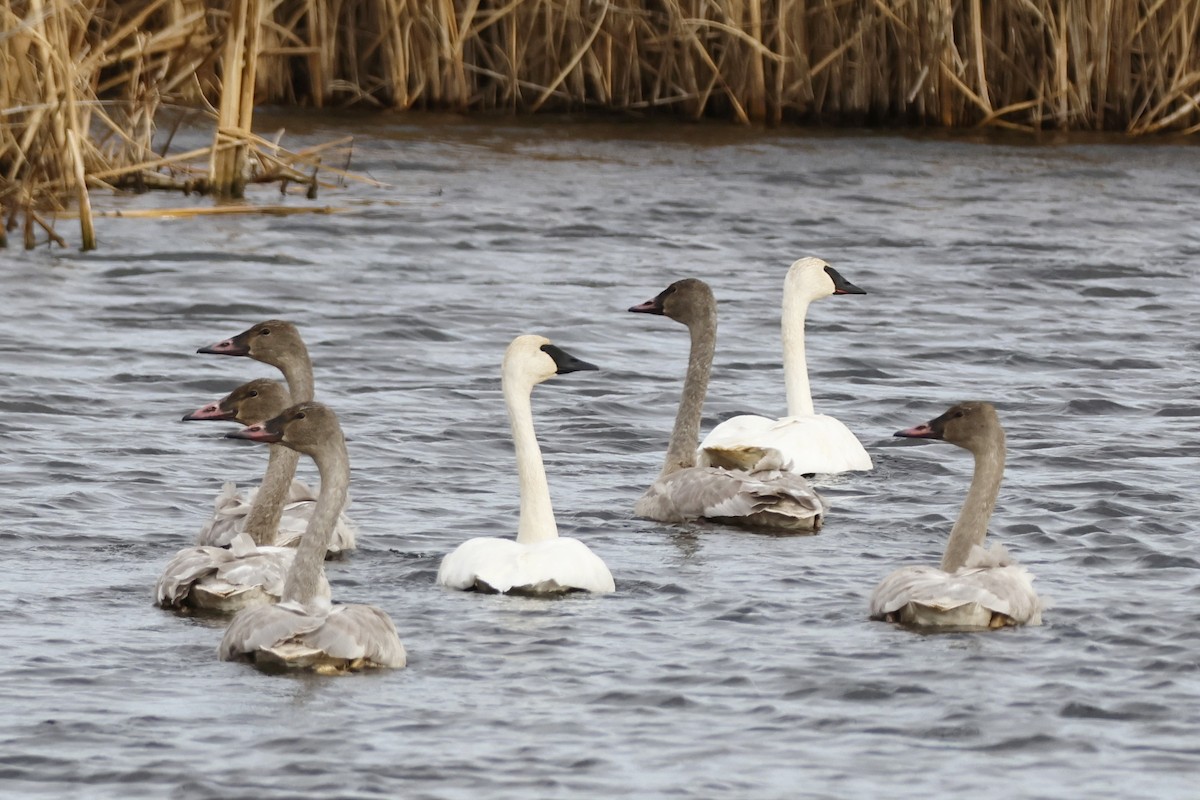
256,433
228,347
922,431
648,307
210,411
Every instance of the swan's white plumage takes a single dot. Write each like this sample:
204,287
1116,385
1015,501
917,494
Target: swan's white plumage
232,508
539,561
807,445
803,442
546,567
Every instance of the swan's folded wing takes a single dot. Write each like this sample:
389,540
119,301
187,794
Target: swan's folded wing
358,632
263,627
491,555
266,567
543,567
565,562
230,510
807,444
714,493
294,521
184,570
1004,590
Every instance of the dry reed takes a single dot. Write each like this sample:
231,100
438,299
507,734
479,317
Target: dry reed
82,81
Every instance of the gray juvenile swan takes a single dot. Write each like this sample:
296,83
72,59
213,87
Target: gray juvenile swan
277,512
803,442
305,630
211,578
278,343
973,588
539,561
684,491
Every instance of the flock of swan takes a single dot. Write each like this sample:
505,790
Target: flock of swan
261,556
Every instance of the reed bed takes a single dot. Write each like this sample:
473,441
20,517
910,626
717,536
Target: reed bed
82,81
1109,65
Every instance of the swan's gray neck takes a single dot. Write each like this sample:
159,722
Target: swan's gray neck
972,524
795,366
262,523
681,452
537,514
297,371
305,578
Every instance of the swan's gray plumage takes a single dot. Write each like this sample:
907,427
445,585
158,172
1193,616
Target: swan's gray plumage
279,344
232,508
684,491
218,580
766,499
305,630
974,587
339,638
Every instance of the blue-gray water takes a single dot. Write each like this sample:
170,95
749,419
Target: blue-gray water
1058,281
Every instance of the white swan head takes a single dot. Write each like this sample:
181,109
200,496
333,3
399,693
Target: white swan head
252,402
972,425
812,279
275,342
304,427
531,359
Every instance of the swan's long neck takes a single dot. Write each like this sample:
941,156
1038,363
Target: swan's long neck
262,524
681,452
972,524
297,371
537,514
304,578
795,367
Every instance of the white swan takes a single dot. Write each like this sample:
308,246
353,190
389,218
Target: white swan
803,442
684,491
973,588
305,630
270,521
277,343
539,561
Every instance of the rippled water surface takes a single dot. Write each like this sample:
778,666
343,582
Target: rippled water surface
1058,281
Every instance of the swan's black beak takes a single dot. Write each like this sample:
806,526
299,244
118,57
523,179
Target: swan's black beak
840,284
564,361
213,411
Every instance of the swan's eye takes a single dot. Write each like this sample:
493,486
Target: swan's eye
300,415
959,414
253,393
264,332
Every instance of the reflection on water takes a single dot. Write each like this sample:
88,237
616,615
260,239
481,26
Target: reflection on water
1054,280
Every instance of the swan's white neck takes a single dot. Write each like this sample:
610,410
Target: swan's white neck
795,367
681,452
537,514
262,523
971,527
305,578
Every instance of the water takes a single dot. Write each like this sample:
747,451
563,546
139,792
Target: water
1055,280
